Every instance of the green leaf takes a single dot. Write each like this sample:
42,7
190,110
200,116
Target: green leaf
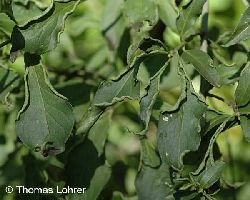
188,17
245,125
98,182
42,35
8,81
242,92
242,31
5,7
23,14
46,119
214,119
203,64
90,149
148,100
93,174
99,132
210,175
149,156
89,119
140,11
82,162
125,87
178,131
113,24
6,24
154,183
228,75
168,13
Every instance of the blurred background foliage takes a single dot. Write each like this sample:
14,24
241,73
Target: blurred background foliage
93,48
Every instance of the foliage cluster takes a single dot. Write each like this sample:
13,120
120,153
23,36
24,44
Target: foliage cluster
132,99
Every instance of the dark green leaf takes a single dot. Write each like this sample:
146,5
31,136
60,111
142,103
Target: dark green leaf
178,131
148,100
210,175
125,87
243,90
42,35
8,81
46,119
149,156
203,64
154,183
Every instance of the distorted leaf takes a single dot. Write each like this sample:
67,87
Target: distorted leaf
148,100
110,92
178,131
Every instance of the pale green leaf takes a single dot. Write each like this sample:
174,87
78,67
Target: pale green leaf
168,13
46,120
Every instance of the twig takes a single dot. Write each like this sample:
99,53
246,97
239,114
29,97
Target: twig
5,43
204,27
204,86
